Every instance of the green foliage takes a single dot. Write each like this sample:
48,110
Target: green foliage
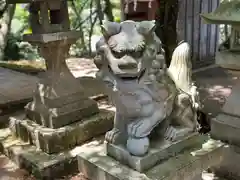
12,50
81,14
15,48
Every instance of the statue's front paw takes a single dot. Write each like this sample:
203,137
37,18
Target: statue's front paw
113,136
174,134
170,134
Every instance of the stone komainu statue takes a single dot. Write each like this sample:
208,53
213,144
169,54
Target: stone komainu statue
147,95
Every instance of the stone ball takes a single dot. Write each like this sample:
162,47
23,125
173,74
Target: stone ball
138,147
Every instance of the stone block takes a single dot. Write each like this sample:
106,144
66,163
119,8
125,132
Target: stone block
232,103
51,37
158,152
229,167
43,166
226,128
60,116
227,59
96,165
64,138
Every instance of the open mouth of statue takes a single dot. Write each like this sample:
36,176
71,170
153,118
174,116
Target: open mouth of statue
131,74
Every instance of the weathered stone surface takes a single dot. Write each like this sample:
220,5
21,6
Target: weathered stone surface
229,168
229,60
226,126
40,164
233,102
11,84
59,98
96,165
46,38
147,95
158,151
56,140
4,118
60,116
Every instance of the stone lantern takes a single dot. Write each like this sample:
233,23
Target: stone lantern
226,125
227,55
59,94
49,16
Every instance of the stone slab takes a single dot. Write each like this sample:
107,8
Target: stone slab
232,103
228,60
11,82
96,165
158,152
38,163
4,119
60,116
226,128
226,125
51,37
56,140
229,167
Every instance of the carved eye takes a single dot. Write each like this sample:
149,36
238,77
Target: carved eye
137,54
118,54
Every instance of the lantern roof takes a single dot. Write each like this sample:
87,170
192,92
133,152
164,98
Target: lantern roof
228,12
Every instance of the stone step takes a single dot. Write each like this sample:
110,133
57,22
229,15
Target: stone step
61,116
95,165
36,162
56,140
228,124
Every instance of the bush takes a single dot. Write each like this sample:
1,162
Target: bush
16,49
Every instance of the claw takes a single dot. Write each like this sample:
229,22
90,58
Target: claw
113,136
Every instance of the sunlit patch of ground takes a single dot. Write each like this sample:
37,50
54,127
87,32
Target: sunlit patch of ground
25,66
9,171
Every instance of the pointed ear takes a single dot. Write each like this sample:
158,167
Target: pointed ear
152,26
110,28
146,27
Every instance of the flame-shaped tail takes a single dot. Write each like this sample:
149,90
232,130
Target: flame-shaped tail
180,69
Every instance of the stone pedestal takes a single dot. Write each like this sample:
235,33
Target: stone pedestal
228,60
229,167
226,127
183,160
158,152
59,98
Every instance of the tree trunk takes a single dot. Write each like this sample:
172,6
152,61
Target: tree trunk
3,7
5,25
100,13
166,29
108,10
